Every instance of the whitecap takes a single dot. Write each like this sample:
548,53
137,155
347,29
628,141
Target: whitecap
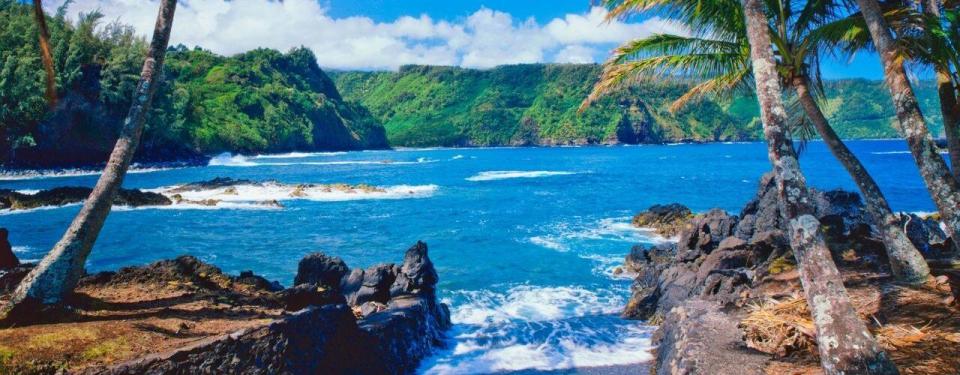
502,175
229,160
299,155
41,174
270,191
20,249
44,208
549,242
457,157
890,152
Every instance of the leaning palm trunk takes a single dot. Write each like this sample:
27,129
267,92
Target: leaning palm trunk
940,183
45,53
845,344
948,100
59,271
906,261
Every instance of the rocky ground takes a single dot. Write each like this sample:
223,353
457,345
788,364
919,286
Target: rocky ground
186,316
727,295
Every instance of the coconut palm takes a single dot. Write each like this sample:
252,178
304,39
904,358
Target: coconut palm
60,270
720,56
943,49
943,187
45,52
845,344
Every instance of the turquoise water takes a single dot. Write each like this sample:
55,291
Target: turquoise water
524,239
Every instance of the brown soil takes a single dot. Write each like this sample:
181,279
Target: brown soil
137,311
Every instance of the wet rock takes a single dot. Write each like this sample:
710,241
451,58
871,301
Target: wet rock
216,183
258,282
7,258
371,307
373,284
927,236
417,274
320,269
60,196
317,340
703,233
668,219
304,295
403,334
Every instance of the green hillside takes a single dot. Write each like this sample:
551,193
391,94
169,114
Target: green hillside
537,104
258,101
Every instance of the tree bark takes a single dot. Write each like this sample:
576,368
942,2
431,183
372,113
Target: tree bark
45,53
940,183
60,270
906,262
948,100
845,344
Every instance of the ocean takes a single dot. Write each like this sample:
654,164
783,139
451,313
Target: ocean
525,240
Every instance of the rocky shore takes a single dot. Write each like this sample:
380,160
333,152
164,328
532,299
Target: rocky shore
717,292
186,316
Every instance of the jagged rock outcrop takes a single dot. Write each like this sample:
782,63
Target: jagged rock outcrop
12,200
392,320
667,219
721,258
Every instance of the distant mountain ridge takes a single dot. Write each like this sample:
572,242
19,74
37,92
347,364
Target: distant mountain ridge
536,104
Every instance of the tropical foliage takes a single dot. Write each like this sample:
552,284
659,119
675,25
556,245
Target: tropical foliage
258,101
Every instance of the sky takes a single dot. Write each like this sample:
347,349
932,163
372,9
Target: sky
386,34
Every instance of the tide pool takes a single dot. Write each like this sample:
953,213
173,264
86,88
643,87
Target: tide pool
524,239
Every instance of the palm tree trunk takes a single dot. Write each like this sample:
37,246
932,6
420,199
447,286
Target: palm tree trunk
948,100
940,183
906,261
59,271
845,344
45,53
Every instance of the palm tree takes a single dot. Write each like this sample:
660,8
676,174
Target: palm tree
60,270
945,55
721,56
45,53
943,187
843,340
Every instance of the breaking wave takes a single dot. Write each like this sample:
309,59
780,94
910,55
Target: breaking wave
503,175
539,328
228,160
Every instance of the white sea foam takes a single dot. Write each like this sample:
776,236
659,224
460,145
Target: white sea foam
228,160
533,304
60,173
270,191
456,157
890,152
503,175
20,249
298,155
549,242
539,328
45,208
27,191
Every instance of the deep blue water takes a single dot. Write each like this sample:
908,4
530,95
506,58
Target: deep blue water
524,259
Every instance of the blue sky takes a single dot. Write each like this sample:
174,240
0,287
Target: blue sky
386,34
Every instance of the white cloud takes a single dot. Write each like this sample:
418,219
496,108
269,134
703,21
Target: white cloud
484,39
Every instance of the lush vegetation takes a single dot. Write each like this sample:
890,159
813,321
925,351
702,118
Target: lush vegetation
537,104
259,101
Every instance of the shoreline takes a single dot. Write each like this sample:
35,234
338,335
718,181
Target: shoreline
16,172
